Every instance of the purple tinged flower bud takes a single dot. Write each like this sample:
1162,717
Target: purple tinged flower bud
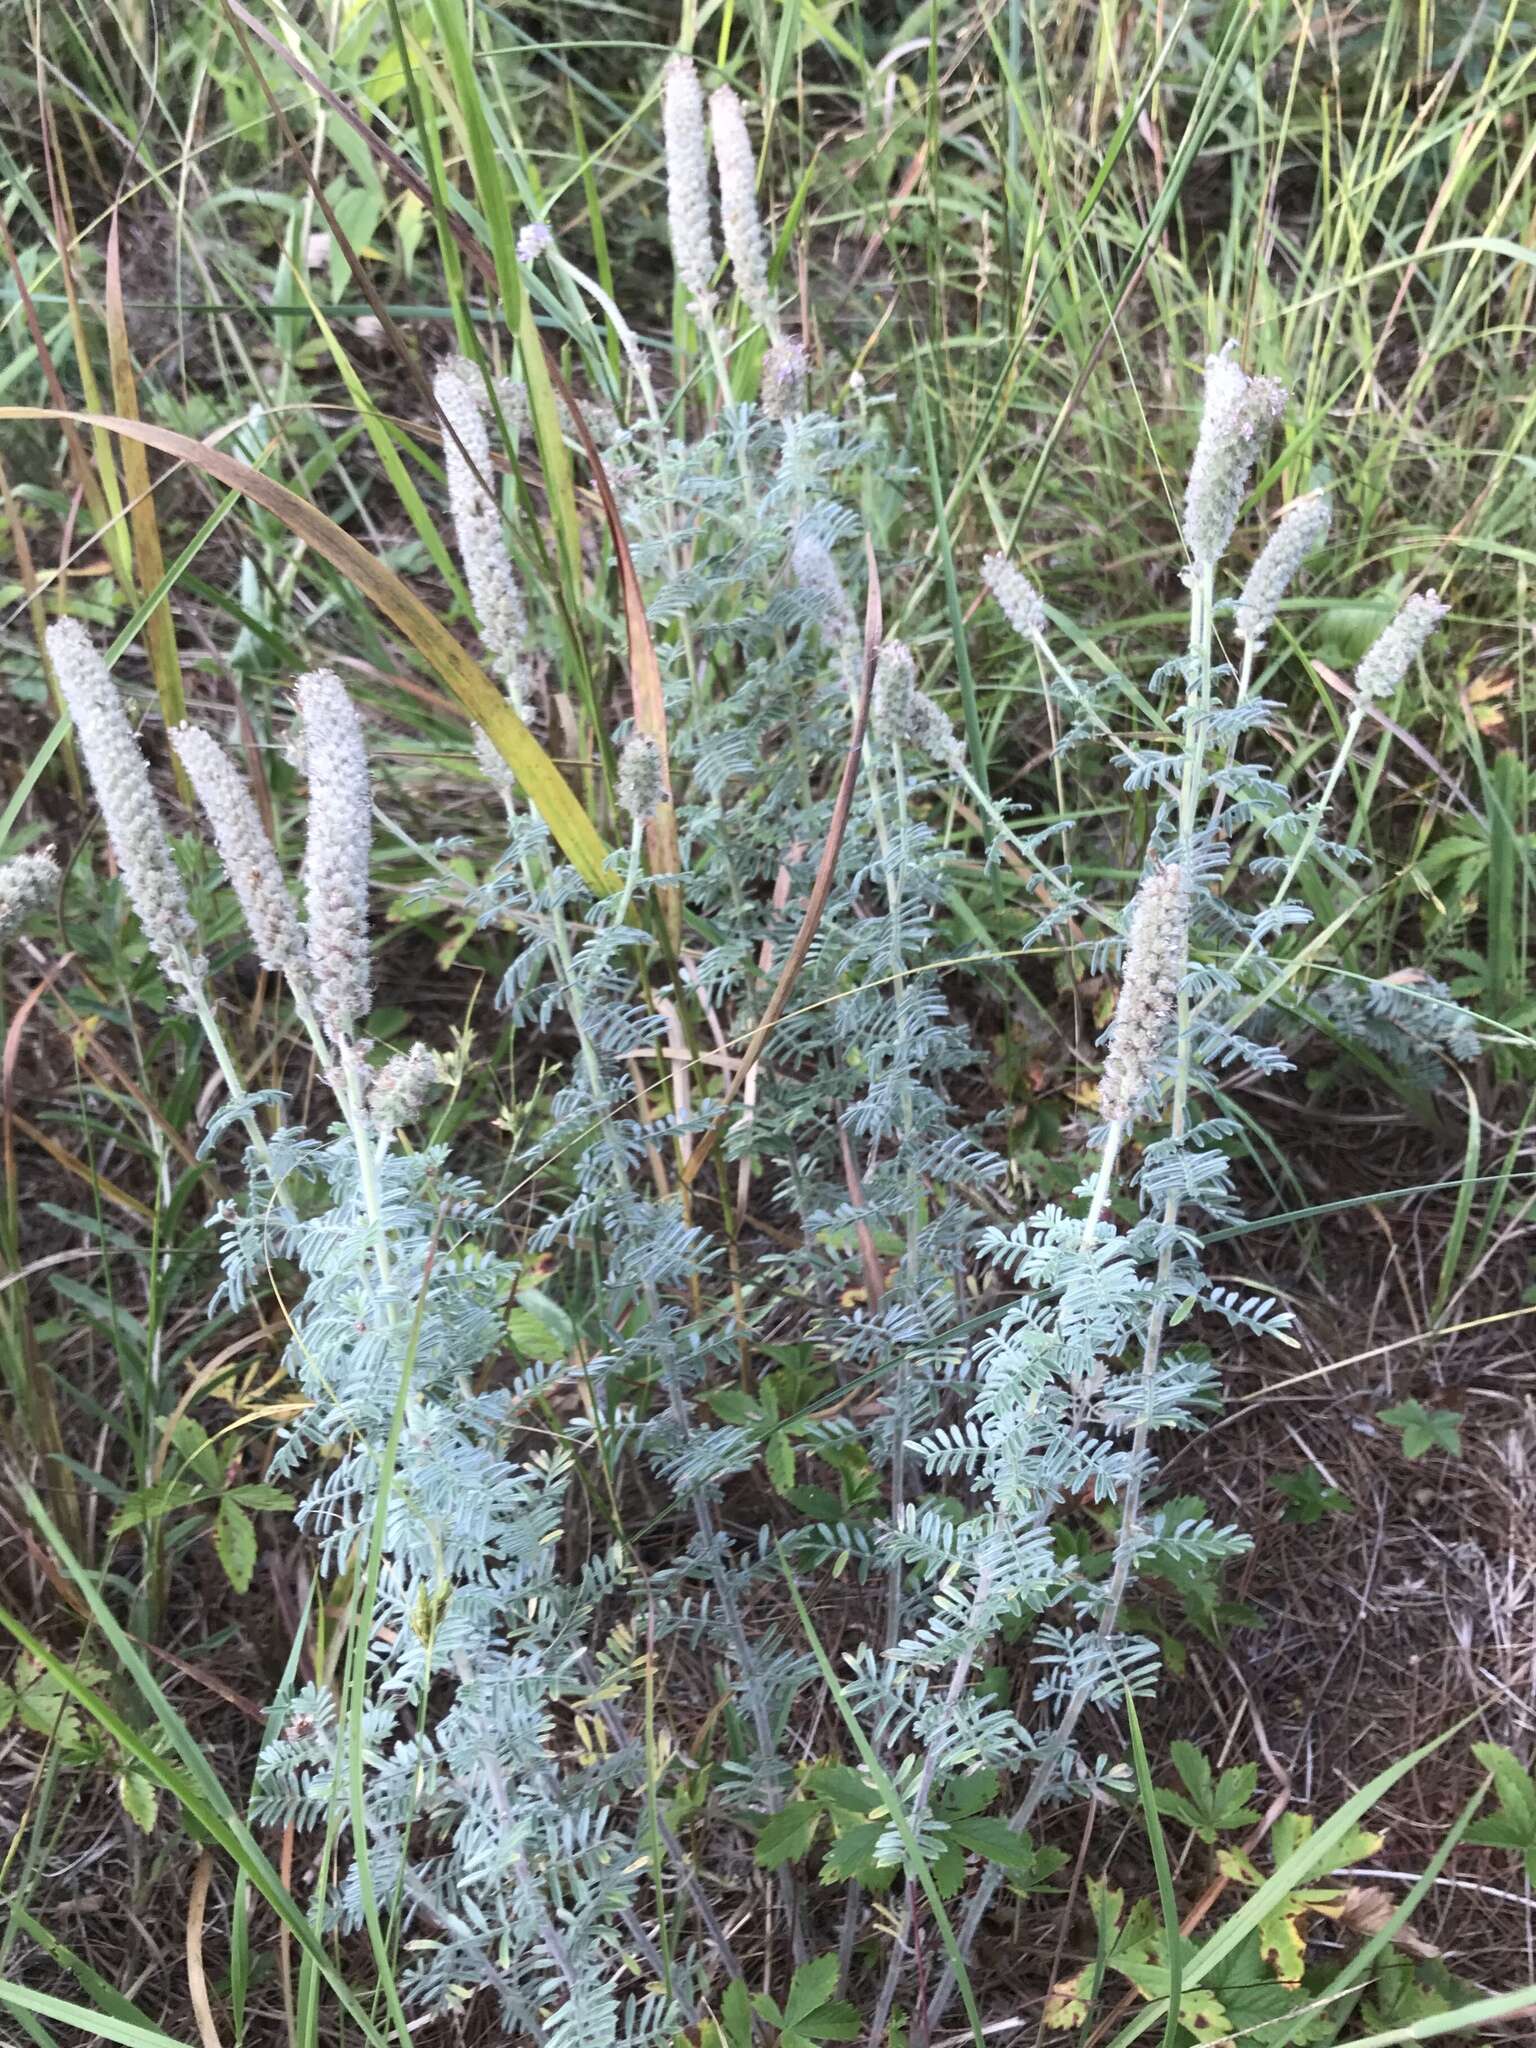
533,238
682,121
26,883
1020,602
1301,532
1390,656
247,854
336,854
120,776
1156,954
1239,412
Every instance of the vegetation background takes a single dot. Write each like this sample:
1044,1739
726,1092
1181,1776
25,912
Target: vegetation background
1025,223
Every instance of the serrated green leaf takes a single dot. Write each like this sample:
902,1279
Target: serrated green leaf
787,1834
258,1496
1513,1787
992,1837
150,1503
234,1538
779,1458
812,1985
1424,1429
139,1800
968,1795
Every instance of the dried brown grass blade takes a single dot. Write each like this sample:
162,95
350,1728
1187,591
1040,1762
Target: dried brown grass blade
821,888
197,1979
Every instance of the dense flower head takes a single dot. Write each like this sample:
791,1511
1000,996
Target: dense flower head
482,546
402,1087
641,783
336,854
740,222
1392,653
1239,412
533,238
782,386
1301,532
246,852
120,776
903,715
26,883
1018,598
682,121
1156,952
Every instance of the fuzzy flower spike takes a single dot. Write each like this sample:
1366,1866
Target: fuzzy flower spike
682,121
1157,949
493,588
120,776
336,854
1390,656
741,224
1301,532
1018,599
26,883
247,854
1239,412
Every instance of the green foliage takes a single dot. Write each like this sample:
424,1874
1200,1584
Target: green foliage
1309,1497
1513,1826
1208,1804
1424,1429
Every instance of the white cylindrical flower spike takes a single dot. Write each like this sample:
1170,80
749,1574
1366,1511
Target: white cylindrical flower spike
1018,599
1301,532
682,121
26,883
402,1087
120,776
812,566
903,715
1239,412
247,854
336,854
493,588
740,222
1156,953
1390,656
781,388
642,788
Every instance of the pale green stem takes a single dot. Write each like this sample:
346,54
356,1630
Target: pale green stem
1119,1580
